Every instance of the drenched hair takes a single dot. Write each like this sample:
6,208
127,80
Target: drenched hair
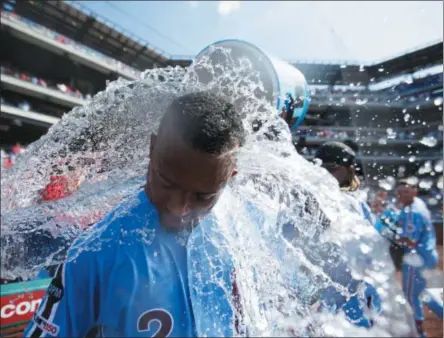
354,184
205,121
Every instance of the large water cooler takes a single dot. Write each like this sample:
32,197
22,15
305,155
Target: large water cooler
278,77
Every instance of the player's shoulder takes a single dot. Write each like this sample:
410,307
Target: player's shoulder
419,206
417,217
120,227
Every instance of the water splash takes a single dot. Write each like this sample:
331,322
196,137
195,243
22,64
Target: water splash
429,141
438,101
104,146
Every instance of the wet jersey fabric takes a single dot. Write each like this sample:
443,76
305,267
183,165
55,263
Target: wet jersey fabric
127,277
417,227
415,224
365,296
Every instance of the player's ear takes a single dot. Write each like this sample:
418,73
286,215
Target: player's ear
153,140
234,172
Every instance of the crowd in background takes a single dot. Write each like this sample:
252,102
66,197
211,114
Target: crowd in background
24,76
119,66
416,90
409,87
412,91
366,135
8,155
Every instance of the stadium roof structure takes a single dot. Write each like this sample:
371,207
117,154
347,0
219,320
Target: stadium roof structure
96,32
408,62
338,73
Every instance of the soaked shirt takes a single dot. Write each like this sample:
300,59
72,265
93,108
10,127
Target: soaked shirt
417,227
126,277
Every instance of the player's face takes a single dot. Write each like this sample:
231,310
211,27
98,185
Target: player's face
405,194
184,184
338,171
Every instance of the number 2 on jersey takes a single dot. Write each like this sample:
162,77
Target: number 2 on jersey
161,316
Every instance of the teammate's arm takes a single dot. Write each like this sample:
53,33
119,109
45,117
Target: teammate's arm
68,308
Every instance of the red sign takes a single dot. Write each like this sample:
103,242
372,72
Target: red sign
20,307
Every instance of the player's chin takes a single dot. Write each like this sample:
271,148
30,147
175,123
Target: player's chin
175,224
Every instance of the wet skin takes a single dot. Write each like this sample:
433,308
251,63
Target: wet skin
183,183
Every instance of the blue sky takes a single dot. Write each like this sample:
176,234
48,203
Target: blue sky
363,31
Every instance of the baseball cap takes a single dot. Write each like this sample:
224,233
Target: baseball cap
336,152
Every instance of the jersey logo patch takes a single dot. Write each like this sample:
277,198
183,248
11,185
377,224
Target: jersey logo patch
162,317
55,289
46,326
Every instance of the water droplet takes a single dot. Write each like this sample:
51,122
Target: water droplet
440,183
413,180
382,141
439,166
438,101
387,183
413,259
406,117
429,141
432,201
380,70
426,184
404,110
400,299
365,248
361,102
391,134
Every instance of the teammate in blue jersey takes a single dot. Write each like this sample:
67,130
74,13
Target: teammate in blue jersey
418,238
128,276
340,160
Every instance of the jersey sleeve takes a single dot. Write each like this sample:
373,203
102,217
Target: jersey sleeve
67,309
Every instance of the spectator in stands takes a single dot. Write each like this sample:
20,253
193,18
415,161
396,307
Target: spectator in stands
17,149
7,161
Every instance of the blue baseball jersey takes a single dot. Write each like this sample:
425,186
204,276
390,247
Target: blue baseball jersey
126,277
418,227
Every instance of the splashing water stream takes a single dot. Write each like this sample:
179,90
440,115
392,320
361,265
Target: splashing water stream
104,146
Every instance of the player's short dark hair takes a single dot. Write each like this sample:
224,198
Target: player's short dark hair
206,121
